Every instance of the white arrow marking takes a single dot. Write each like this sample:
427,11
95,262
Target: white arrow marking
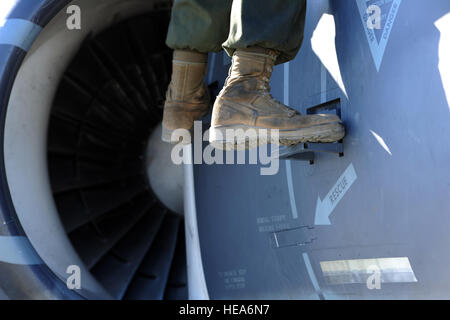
325,208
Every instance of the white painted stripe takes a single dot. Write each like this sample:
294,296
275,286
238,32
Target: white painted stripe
311,273
291,189
18,32
286,93
323,84
391,270
18,250
288,162
196,276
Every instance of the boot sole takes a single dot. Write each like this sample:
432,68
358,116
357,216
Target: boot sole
324,133
166,136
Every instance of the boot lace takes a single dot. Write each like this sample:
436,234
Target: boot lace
265,90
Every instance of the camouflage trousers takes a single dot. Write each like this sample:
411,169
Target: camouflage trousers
213,25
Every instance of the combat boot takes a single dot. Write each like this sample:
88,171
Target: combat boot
187,98
245,103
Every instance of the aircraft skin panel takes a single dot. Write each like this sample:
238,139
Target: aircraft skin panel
384,203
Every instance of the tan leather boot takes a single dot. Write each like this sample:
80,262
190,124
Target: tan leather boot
187,97
245,103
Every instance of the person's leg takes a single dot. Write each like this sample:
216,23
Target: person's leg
264,33
199,25
271,24
196,28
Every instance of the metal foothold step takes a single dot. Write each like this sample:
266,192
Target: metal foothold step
307,151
